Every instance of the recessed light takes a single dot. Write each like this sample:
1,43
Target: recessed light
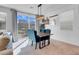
31,7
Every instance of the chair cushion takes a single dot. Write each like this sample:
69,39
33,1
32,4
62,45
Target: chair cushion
4,42
10,36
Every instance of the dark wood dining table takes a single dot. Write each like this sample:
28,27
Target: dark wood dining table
41,34
42,37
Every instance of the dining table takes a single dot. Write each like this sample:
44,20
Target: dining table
42,36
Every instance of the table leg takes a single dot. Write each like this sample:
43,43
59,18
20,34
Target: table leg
44,43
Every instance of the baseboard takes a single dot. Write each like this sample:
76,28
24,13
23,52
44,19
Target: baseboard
67,42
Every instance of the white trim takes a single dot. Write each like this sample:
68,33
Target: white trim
72,43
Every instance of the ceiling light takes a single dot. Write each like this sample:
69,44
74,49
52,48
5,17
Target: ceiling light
39,16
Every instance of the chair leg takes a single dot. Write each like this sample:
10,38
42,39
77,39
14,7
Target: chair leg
36,46
44,43
40,45
32,43
48,41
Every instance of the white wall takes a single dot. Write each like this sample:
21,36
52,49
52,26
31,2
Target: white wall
10,18
69,36
64,34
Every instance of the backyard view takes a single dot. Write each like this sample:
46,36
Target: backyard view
23,23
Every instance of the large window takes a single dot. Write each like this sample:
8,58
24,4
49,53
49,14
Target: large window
22,22
32,22
25,22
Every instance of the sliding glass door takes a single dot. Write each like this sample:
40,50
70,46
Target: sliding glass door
32,22
25,22
22,25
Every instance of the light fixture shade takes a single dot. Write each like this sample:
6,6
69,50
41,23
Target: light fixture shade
40,17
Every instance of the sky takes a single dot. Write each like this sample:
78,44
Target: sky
26,18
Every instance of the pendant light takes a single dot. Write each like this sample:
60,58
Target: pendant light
39,16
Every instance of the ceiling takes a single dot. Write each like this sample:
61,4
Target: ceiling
46,9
